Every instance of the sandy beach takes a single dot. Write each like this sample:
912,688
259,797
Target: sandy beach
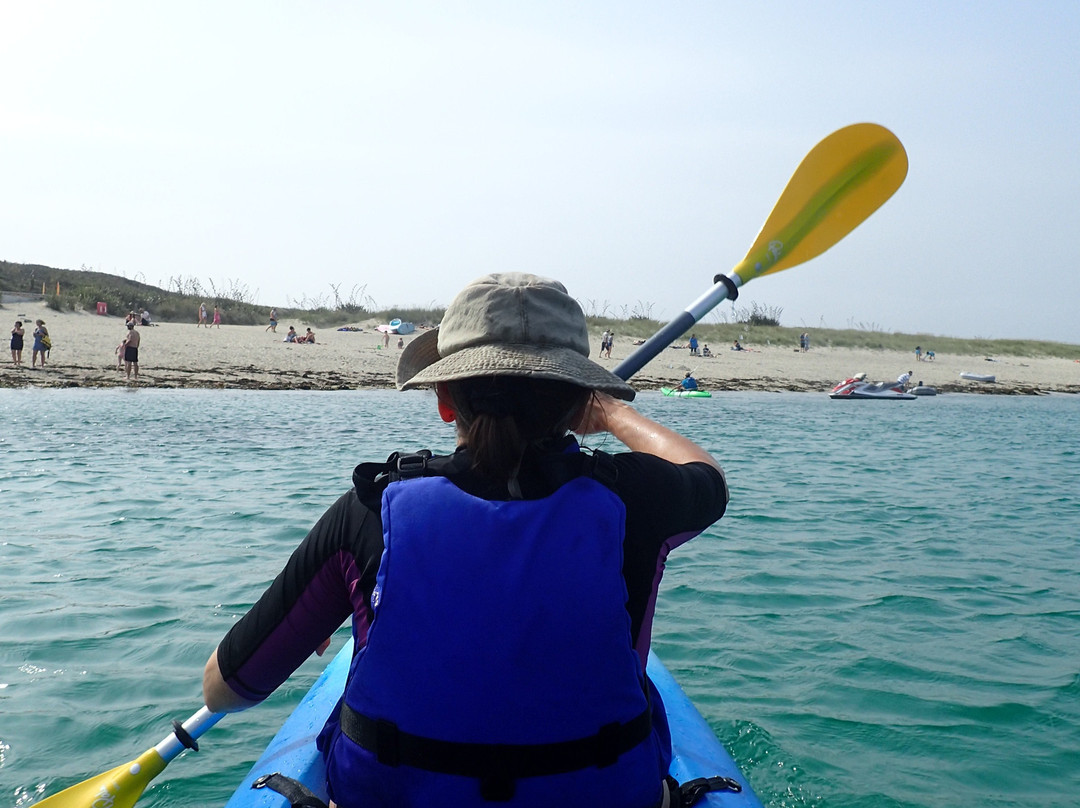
174,355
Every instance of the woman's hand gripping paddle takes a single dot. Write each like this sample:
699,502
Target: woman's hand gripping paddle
122,786
843,179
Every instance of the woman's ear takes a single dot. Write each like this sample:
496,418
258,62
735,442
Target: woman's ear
446,410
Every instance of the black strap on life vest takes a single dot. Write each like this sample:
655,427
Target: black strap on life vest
496,765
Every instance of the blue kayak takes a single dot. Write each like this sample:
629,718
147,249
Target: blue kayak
292,752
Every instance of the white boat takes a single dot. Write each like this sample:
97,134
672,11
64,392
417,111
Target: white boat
978,377
396,326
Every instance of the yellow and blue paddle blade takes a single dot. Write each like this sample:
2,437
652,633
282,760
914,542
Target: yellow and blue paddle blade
121,787
836,187
844,178
117,788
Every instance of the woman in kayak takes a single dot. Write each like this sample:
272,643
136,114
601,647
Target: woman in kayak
501,597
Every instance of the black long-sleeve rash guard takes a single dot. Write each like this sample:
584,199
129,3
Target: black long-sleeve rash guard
331,575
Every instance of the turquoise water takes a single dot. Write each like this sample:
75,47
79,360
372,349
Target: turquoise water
889,615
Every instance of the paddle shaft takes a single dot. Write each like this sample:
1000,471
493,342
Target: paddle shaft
651,348
195,726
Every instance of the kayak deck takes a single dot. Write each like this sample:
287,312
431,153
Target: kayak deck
292,752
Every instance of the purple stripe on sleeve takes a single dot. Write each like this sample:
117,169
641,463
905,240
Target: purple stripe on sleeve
645,635
328,598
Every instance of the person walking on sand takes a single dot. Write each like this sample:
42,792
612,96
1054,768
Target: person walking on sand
273,321
217,317
609,343
42,343
17,335
918,353
131,352
446,568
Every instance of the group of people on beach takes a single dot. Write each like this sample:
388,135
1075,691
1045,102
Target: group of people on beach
203,317
41,348
929,356
607,342
305,338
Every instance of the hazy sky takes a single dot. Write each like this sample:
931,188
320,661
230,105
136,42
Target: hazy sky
632,150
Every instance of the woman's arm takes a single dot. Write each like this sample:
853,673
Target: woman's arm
640,434
217,695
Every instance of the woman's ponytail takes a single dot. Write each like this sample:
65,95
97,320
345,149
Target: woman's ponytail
499,417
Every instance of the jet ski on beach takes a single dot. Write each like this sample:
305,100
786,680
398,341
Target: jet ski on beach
857,387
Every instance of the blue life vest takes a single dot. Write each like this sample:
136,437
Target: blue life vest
499,664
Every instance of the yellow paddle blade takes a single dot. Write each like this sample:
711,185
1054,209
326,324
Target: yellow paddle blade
119,788
844,178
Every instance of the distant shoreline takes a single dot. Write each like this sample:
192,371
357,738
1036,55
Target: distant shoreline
181,355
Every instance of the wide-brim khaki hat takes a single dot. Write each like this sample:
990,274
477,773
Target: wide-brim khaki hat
509,324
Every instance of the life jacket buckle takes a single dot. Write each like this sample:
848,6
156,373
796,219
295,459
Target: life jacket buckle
410,466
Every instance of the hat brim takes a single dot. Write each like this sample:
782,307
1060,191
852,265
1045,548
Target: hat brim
420,364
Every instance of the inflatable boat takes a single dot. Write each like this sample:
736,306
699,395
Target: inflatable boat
978,377
698,755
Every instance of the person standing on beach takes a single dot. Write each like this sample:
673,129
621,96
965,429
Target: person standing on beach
501,640
42,343
273,321
17,334
202,316
131,351
903,379
217,318
609,344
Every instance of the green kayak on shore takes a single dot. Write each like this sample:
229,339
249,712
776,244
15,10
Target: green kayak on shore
678,392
